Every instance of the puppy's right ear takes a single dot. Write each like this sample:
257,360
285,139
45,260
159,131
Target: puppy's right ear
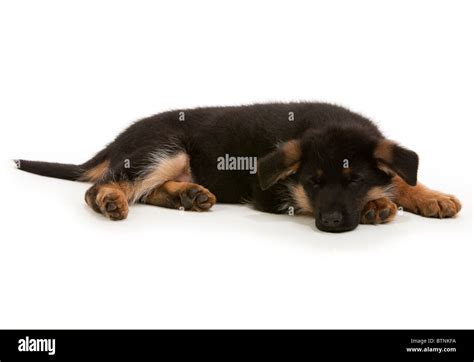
397,160
279,164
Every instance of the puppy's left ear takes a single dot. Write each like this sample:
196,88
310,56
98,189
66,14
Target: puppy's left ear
397,160
279,164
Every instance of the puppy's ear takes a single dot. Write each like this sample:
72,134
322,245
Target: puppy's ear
396,160
279,164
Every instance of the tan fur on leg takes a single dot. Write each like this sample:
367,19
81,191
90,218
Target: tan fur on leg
110,199
378,211
174,195
423,201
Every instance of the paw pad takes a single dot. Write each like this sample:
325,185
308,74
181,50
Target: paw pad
378,211
197,198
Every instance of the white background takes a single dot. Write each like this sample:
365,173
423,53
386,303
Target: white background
73,74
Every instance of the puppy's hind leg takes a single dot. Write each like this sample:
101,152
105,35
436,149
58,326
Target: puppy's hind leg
181,195
110,199
158,178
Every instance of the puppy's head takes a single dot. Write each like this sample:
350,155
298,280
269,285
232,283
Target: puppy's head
340,170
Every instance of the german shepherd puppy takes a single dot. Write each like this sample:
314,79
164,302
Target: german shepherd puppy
303,158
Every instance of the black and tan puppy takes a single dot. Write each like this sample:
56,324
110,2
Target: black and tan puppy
313,158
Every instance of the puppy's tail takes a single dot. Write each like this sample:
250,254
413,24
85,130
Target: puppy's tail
92,170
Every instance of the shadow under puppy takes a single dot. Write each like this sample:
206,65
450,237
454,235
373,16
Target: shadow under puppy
313,158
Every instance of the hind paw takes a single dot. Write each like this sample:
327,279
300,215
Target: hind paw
197,198
108,200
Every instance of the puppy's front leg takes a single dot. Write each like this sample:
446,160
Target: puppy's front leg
379,211
423,201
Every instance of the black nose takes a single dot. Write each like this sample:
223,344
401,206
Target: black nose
331,219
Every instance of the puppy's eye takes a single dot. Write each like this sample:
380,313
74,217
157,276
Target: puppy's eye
315,181
353,179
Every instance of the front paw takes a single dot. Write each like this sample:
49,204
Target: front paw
437,204
378,211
